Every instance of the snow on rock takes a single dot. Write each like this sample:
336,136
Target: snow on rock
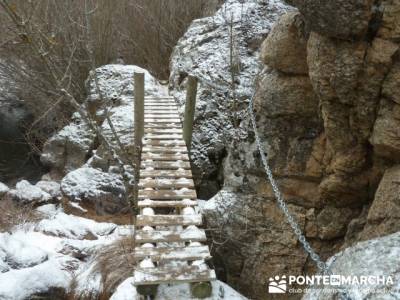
70,148
127,291
105,190
377,257
73,227
37,257
51,187
18,254
204,51
116,81
26,193
20,284
3,189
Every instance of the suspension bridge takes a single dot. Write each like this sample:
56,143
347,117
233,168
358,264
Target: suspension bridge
169,240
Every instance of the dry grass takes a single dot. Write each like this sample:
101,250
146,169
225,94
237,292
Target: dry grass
114,263
12,214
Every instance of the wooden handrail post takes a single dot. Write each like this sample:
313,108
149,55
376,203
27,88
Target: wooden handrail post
138,79
139,108
190,107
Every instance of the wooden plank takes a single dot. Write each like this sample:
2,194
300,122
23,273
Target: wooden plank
166,183
162,126
173,253
170,236
168,220
164,156
159,111
167,194
169,104
167,203
156,99
166,173
164,143
163,116
159,97
164,104
164,150
163,130
159,120
172,274
163,136
164,165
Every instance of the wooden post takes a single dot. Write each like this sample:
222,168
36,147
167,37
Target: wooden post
190,107
138,130
139,108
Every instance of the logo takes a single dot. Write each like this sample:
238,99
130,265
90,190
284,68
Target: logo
302,284
277,285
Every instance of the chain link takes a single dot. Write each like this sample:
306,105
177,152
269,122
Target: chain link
322,266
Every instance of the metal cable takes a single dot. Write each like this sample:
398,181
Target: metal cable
322,266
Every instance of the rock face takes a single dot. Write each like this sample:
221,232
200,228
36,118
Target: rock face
384,214
285,48
370,258
341,19
326,104
222,52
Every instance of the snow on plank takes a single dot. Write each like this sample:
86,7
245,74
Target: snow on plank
160,111
168,220
166,173
165,156
169,274
166,183
163,136
167,203
165,165
164,150
163,130
162,126
159,97
159,120
173,253
164,142
190,234
167,194
154,104
148,115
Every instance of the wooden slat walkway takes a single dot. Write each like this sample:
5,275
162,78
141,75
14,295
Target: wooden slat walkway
168,236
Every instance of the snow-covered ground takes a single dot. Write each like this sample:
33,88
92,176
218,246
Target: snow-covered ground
37,256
